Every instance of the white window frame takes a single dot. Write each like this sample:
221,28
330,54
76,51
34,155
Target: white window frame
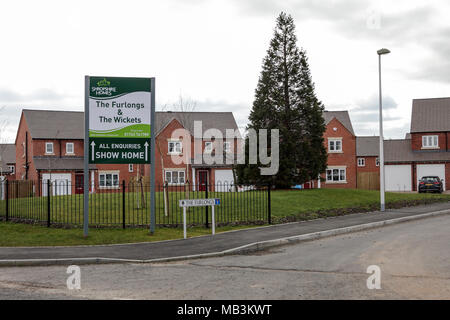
340,170
169,175
130,167
47,144
332,146
430,142
361,162
73,147
12,168
377,162
105,174
177,147
227,146
208,146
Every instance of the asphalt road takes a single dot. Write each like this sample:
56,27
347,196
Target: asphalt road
414,259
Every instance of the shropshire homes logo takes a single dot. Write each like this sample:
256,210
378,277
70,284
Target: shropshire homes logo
103,88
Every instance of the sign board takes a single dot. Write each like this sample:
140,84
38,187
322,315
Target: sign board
120,114
199,202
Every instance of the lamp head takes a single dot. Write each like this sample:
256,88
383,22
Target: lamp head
383,51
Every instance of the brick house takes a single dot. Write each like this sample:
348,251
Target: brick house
194,151
49,146
425,151
7,161
340,143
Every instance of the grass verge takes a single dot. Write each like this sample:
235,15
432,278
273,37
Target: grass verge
18,235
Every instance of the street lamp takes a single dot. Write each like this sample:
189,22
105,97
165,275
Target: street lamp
382,206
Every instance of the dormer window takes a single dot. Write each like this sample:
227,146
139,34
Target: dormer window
49,147
430,142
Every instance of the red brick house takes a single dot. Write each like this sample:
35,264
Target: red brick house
368,162
193,151
49,146
340,143
425,151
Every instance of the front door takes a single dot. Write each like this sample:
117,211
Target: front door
79,184
202,180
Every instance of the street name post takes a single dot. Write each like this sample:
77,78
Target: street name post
199,203
119,117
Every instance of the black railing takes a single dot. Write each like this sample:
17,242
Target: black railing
120,204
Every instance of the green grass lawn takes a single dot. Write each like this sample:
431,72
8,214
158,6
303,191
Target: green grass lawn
16,235
309,204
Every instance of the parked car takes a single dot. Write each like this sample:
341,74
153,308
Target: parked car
430,183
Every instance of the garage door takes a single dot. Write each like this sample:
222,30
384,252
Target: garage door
61,183
398,177
224,180
430,170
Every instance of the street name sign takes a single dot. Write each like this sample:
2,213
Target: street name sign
199,202
120,114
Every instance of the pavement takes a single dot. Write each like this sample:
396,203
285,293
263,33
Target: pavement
233,242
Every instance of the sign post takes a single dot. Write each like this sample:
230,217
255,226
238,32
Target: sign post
199,203
119,116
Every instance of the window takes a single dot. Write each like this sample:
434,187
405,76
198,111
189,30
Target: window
361,162
335,145
108,180
227,146
174,147
49,147
12,169
175,176
377,162
430,141
130,167
208,147
336,175
69,148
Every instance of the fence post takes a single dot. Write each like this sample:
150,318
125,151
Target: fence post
48,202
206,207
123,204
7,199
269,206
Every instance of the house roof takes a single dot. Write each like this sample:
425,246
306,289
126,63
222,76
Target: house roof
430,115
7,156
400,151
217,120
341,116
367,146
48,124
64,163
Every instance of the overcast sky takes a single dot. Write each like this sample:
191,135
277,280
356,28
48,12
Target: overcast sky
211,51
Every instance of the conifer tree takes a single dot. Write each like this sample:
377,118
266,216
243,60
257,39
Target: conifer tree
285,100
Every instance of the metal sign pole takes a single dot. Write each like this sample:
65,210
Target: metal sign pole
86,159
213,220
184,222
152,159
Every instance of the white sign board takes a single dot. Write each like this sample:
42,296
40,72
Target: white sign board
199,202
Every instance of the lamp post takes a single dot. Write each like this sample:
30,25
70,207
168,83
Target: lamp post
382,202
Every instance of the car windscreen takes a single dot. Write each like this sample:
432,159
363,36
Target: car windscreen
430,179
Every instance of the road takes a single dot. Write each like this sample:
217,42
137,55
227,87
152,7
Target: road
414,259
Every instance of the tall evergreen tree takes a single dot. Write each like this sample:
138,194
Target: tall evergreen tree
285,100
